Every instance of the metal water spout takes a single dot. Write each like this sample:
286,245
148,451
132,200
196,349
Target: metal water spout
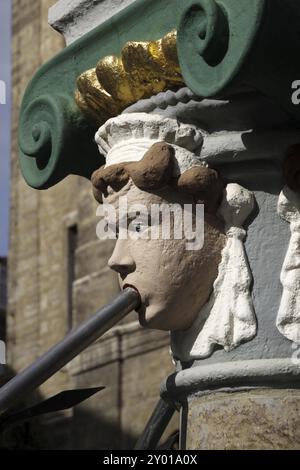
63,352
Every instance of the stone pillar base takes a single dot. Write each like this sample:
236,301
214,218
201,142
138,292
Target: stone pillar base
240,420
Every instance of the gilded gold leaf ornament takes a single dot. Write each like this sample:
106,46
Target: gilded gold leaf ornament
143,69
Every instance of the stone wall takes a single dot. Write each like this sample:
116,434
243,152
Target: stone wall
3,296
58,277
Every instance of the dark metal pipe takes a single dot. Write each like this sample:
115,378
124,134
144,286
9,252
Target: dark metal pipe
69,347
156,426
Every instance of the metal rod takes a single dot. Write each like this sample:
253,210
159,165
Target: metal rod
69,347
156,426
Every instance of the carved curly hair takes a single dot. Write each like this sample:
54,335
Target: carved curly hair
155,172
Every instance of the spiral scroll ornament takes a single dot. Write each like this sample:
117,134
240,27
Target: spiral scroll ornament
213,40
44,137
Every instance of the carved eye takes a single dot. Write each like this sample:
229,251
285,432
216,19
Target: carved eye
138,227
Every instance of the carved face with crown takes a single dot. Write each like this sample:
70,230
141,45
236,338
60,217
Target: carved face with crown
155,161
154,158
147,164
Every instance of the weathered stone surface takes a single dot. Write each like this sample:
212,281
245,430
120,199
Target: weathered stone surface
93,256
257,419
96,423
92,292
140,391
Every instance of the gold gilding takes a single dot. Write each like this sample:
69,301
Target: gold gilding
143,69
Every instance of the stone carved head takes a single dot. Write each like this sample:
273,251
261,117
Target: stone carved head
151,159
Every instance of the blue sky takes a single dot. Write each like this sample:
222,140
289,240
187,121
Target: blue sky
5,50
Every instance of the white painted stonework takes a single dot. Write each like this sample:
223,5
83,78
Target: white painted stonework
74,18
126,138
288,318
228,319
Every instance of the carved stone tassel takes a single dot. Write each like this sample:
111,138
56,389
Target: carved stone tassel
228,319
288,318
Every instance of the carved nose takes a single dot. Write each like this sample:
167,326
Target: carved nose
121,261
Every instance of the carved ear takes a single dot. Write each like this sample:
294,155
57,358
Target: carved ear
204,184
155,169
